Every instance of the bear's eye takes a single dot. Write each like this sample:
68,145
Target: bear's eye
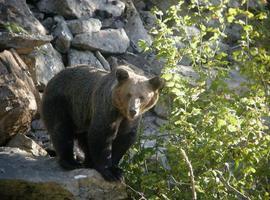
142,98
128,95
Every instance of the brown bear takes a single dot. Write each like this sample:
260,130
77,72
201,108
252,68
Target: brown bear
99,109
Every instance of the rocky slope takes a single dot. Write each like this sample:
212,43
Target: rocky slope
39,38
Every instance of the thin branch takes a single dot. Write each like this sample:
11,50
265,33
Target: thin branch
231,188
191,175
142,197
103,61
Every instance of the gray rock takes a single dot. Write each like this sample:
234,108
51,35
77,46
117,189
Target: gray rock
37,124
192,31
18,13
44,63
115,23
114,7
17,96
164,5
160,122
48,23
162,108
134,27
84,25
233,33
149,19
146,62
42,138
83,8
237,82
23,175
23,43
62,37
76,57
25,143
106,41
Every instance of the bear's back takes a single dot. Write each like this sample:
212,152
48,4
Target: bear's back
73,87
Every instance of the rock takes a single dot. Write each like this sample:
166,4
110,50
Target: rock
233,33
62,37
84,25
18,96
23,175
76,57
42,138
71,9
237,82
164,5
149,19
160,122
37,124
44,63
23,43
145,62
148,143
112,8
134,27
113,23
17,12
48,23
106,41
162,108
192,31
37,14
25,143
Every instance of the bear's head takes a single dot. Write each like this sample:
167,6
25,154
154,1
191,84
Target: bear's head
135,94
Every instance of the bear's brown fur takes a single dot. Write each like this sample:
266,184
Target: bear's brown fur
99,109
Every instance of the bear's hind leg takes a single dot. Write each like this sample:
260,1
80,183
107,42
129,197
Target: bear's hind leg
63,142
83,144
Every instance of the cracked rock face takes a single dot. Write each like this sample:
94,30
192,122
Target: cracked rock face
81,8
106,41
44,63
42,178
17,12
17,96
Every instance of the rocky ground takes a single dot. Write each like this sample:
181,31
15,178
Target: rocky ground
39,38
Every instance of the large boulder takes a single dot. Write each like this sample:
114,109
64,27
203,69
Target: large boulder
134,26
23,175
23,43
17,12
81,8
17,96
106,41
44,63
76,57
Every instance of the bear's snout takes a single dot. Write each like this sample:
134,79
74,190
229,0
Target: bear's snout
132,112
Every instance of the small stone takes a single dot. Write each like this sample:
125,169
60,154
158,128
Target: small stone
25,143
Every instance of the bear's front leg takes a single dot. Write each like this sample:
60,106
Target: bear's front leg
100,150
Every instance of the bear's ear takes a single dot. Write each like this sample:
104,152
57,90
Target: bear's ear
157,83
121,75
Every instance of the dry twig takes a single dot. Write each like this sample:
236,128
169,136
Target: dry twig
191,175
